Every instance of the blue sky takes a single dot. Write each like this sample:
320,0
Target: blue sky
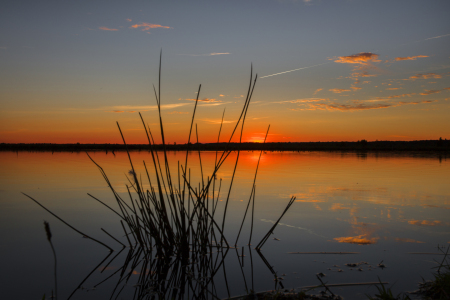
367,69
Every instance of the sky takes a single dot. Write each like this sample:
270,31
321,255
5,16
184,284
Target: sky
328,70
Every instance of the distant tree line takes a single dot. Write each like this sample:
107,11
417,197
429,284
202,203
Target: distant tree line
441,145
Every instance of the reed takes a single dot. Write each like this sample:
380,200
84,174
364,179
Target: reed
49,239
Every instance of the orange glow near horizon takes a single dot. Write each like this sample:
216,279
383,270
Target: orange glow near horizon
315,125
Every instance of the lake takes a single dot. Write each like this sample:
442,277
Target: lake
385,207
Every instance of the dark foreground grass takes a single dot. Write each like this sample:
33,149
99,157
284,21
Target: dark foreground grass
174,233
439,287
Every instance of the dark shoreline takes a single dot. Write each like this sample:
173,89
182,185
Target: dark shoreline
426,146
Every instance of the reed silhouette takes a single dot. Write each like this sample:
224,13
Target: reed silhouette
174,232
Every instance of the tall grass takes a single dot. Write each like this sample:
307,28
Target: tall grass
173,227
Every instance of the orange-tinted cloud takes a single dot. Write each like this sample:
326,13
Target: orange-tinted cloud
410,57
217,121
128,20
425,76
307,100
202,100
429,92
338,91
425,223
358,105
318,90
362,58
363,74
355,88
107,29
122,108
147,26
362,63
391,89
396,96
212,104
360,240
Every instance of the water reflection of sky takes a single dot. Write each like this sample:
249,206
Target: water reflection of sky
380,206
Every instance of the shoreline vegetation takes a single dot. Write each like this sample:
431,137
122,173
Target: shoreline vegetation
441,146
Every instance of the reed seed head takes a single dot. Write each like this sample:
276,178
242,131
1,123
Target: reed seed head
47,230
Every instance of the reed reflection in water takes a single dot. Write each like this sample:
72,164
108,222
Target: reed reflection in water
398,200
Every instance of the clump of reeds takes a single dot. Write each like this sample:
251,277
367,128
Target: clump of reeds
175,214
173,228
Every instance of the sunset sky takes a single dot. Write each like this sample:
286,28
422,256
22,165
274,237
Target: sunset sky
329,70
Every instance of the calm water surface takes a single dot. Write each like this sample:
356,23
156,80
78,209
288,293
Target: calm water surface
382,206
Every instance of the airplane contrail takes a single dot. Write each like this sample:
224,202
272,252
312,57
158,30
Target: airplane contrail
293,70
437,37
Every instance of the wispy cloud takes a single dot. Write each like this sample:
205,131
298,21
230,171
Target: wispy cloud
307,100
358,105
425,76
147,26
318,90
410,57
429,92
217,121
122,108
208,54
396,96
291,71
338,91
107,29
128,20
202,100
309,201
211,104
